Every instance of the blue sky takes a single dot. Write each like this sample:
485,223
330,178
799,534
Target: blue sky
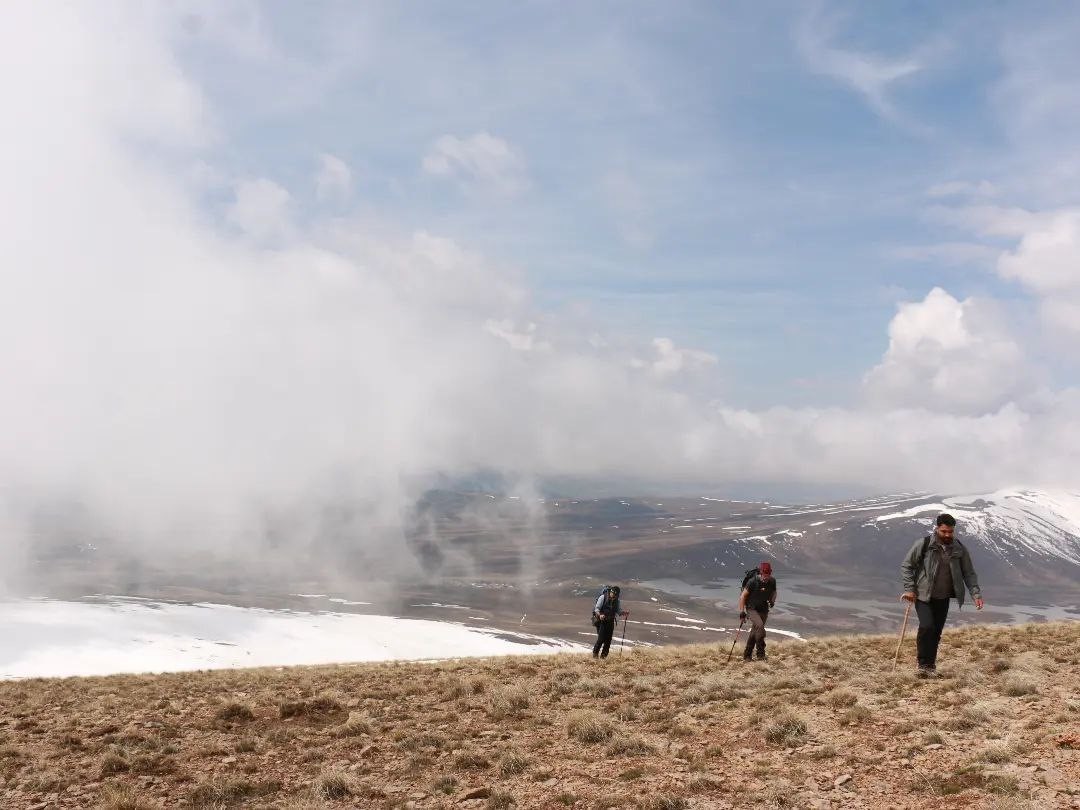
710,172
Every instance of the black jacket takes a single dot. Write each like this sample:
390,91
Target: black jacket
762,594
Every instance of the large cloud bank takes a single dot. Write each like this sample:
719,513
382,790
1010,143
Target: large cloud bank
183,371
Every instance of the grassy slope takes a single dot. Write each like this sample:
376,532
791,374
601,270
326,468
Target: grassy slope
824,724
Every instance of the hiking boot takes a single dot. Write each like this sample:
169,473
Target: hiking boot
761,657
747,659
924,672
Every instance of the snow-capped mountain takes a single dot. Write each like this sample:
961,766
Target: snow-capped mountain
1015,525
1017,537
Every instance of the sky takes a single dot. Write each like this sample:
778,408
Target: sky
264,255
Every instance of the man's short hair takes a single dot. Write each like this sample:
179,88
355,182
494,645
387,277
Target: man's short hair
945,519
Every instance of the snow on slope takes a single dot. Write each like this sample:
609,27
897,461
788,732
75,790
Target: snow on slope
53,638
1012,522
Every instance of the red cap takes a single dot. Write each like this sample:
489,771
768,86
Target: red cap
765,569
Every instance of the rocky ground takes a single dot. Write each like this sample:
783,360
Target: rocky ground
822,724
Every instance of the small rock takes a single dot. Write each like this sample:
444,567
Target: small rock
228,760
474,793
934,746
843,779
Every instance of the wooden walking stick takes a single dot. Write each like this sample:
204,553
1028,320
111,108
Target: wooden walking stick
903,630
626,618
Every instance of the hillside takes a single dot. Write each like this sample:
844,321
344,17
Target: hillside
824,724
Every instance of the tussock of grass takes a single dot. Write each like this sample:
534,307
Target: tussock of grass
964,718
335,785
785,729
444,784
356,725
597,687
664,802
114,763
632,746
322,704
994,753
225,792
841,698
124,797
471,760
235,712
513,762
1017,684
589,726
854,716
500,800
507,701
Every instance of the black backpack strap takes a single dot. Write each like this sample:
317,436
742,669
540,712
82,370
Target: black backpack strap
922,557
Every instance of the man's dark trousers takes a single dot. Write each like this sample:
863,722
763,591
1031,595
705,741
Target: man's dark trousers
604,631
932,617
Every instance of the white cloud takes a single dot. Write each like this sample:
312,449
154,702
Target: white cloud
333,180
1047,262
1045,259
481,161
260,209
871,75
949,356
181,381
522,340
671,360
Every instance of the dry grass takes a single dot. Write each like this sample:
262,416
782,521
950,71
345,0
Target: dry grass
124,797
670,727
785,729
589,726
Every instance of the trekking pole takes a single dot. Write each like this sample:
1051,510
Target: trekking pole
626,618
903,630
736,641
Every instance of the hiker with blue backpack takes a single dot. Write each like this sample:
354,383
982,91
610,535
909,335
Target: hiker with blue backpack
936,569
605,612
757,598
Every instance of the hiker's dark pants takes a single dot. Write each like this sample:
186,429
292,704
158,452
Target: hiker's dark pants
604,631
932,617
756,639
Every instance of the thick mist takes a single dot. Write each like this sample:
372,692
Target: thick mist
199,366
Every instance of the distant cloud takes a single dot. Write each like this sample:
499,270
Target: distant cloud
522,340
871,75
481,161
669,360
963,188
1047,262
261,208
947,355
333,180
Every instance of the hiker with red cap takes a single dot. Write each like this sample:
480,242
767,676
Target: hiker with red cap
758,595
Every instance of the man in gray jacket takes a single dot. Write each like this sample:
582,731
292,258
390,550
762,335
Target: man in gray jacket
936,570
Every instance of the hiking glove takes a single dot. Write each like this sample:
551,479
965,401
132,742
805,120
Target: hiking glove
742,616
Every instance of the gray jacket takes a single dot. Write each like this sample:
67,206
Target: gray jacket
920,582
